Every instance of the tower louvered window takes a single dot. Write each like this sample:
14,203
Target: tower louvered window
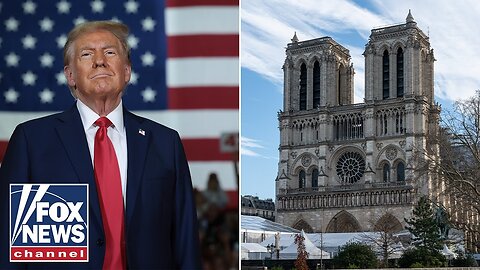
301,179
386,172
316,84
315,178
401,172
303,87
386,75
400,87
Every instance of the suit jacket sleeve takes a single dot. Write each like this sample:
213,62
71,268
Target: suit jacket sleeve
14,169
186,231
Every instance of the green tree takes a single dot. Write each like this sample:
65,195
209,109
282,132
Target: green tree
302,255
426,238
355,255
423,226
464,260
421,257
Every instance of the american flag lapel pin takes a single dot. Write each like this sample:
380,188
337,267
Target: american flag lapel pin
141,131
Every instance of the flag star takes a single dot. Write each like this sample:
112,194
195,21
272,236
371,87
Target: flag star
131,6
133,78
46,60
115,19
29,78
11,95
79,20
148,24
46,24
29,42
12,24
132,41
97,6
12,59
147,59
29,7
63,7
46,96
60,76
61,40
148,95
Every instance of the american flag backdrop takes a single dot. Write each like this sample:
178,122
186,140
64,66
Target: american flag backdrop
184,59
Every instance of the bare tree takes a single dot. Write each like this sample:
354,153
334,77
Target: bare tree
457,171
384,240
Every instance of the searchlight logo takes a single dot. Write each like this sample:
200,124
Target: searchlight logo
49,222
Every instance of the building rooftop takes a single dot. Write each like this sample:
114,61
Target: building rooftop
254,223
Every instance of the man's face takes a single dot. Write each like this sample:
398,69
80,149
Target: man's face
98,68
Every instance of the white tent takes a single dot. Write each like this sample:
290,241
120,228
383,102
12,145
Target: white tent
447,252
253,251
329,242
290,252
398,250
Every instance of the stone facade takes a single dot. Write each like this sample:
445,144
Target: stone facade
346,167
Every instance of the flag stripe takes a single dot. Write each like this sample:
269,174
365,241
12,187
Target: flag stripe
188,123
202,71
197,123
202,75
3,148
183,3
205,150
203,97
201,20
203,45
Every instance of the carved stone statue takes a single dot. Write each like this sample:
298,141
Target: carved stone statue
277,240
441,217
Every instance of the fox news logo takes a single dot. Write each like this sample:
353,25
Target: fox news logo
49,222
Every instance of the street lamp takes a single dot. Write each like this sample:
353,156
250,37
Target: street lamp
271,250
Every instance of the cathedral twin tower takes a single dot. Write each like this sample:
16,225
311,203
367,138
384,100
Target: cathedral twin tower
348,167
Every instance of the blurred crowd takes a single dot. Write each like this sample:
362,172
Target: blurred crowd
218,226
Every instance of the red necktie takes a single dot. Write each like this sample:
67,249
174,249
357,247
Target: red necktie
109,187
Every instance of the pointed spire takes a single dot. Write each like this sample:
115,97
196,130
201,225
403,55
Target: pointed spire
283,175
410,17
322,173
295,38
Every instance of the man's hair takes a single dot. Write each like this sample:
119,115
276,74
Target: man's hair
118,29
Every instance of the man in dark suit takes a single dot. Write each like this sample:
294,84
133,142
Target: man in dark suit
149,170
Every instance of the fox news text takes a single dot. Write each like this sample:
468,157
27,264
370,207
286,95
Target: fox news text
49,222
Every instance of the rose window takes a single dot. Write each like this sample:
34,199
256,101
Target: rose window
350,167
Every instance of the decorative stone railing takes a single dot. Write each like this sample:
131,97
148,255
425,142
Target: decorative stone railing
373,194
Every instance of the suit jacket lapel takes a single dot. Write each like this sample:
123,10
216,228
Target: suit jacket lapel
72,136
137,141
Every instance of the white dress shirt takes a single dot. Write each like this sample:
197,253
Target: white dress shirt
116,133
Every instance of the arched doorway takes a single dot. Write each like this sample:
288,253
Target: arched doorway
303,225
343,222
388,223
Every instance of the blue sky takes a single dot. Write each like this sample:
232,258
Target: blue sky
268,25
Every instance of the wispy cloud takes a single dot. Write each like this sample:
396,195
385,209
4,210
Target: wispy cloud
267,27
249,147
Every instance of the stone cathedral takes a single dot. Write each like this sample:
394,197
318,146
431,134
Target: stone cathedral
348,167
